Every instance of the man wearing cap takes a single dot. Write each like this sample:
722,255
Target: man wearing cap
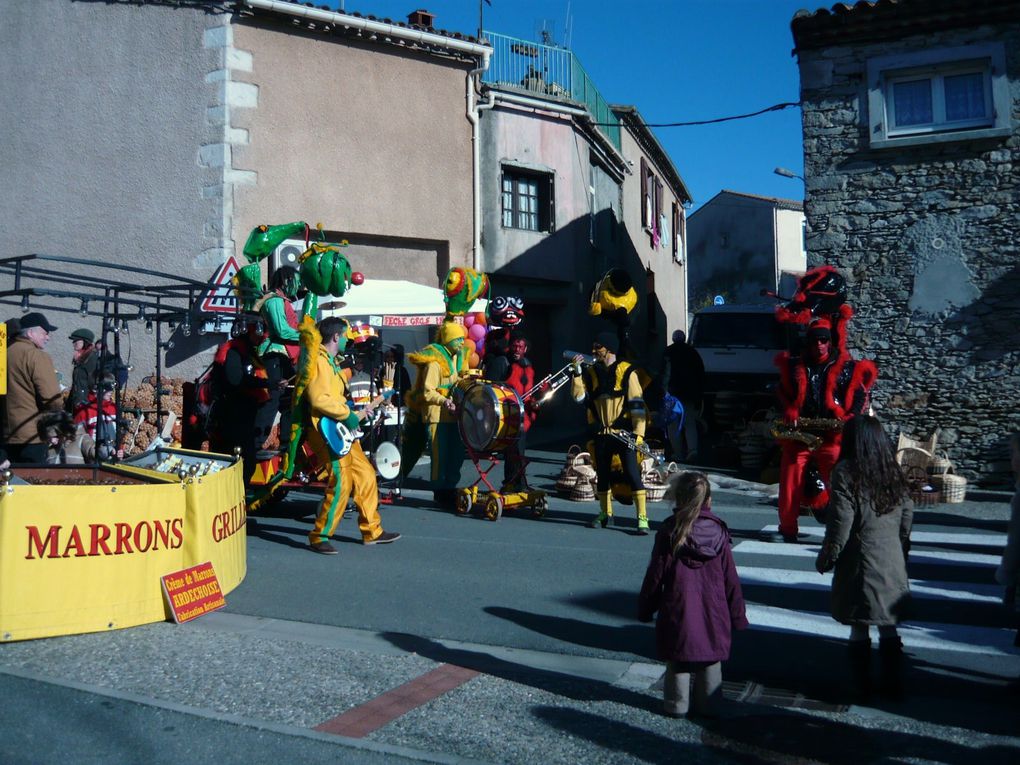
827,386
85,372
32,389
612,393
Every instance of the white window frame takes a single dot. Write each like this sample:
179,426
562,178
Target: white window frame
885,71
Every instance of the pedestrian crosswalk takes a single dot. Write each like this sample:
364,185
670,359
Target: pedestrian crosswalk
946,568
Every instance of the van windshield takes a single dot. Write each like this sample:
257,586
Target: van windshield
745,330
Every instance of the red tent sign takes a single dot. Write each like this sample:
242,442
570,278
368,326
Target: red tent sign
221,297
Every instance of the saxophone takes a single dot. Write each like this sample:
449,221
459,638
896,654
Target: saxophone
808,430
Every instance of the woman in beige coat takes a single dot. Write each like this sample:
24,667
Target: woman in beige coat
867,537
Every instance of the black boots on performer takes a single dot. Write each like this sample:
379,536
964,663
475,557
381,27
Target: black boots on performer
890,654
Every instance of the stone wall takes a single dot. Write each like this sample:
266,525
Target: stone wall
927,237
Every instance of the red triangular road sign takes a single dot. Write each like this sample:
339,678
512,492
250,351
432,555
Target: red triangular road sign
221,298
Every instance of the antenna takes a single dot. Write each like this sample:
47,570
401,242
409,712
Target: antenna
568,28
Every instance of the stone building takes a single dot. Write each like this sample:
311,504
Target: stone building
911,145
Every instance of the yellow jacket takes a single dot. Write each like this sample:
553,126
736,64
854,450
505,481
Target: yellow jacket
614,397
438,372
327,391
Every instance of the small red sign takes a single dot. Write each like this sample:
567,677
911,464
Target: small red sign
410,321
192,592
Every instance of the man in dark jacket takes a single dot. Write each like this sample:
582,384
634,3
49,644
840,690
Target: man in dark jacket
85,373
685,381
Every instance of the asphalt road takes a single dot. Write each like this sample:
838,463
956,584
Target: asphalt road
543,611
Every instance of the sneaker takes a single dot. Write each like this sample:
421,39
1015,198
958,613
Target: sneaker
642,527
601,522
383,539
324,548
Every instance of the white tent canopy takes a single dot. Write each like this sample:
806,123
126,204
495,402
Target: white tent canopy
391,296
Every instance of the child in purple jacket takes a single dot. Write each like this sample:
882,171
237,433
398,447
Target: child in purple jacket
692,583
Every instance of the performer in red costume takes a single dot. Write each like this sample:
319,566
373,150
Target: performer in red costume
818,392
521,378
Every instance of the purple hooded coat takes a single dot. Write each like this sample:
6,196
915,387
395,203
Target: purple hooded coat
696,593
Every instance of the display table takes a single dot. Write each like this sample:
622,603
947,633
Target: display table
82,549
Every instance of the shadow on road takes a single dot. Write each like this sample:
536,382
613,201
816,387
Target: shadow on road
796,737
561,684
636,639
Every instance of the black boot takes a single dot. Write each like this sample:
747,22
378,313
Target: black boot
859,654
890,651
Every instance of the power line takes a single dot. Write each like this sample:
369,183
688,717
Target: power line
773,108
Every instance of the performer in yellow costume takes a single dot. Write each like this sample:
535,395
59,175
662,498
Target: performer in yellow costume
326,395
431,418
612,393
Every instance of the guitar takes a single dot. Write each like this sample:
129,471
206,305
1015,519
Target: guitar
338,436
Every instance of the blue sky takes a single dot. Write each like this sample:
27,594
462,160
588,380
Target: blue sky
675,60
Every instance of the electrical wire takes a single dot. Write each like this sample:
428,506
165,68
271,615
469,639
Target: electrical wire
773,108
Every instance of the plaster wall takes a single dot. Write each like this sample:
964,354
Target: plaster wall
790,253
670,276
103,118
547,143
371,140
927,238
734,252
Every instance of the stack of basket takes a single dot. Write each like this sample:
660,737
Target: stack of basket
655,486
577,478
943,477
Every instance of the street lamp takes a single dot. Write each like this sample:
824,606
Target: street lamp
788,173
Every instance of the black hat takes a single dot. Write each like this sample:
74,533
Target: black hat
36,319
608,340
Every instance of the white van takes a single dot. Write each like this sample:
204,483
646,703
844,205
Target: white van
738,345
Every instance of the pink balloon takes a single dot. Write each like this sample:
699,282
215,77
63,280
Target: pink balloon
469,320
476,332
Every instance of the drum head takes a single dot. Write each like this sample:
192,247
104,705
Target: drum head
387,460
485,414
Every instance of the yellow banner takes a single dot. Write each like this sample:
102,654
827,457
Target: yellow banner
3,359
89,558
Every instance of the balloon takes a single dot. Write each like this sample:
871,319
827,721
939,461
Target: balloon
473,360
478,318
469,345
476,332
469,320
357,278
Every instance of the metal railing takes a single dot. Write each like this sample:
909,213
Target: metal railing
550,72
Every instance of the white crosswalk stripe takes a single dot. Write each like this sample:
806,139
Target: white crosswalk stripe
997,541
980,640
810,550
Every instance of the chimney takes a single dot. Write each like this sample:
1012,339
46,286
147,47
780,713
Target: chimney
421,18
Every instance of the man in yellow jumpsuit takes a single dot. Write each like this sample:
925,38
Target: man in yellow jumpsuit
612,393
326,396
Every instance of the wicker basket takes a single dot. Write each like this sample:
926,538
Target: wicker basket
583,491
922,497
570,475
940,464
952,487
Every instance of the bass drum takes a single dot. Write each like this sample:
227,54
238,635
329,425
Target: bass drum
386,458
490,416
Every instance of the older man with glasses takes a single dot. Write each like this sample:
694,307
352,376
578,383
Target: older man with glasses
32,389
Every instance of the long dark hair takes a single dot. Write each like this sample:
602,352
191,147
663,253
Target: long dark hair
689,492
871,461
